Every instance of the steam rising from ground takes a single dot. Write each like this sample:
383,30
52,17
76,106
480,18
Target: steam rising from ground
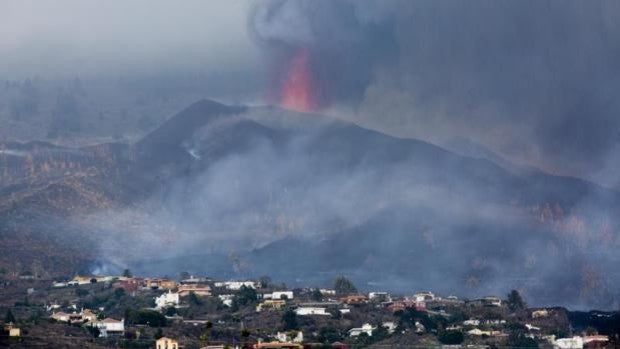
411,222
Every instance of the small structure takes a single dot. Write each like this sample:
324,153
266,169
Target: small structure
275,304
390,326
278,345
87,279
366,328
235,285
532,328
597,340
166,343
279,295
88,315
540,313
168,299
60,316
227,299
12,330
304,311
290,337
327,292
354,299
130,285
575,342
109,327
419,327
199,290
425,296
471,322
491,301
379,297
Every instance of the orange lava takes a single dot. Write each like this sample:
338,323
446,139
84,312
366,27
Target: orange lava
297,89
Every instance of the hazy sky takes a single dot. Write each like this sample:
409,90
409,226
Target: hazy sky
41,37
537,81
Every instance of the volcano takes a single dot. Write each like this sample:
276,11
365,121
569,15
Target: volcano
246,191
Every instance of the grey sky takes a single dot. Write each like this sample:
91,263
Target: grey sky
86,36
536,81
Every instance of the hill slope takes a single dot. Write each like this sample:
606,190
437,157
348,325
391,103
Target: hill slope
243,191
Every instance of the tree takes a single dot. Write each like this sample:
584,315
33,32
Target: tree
265,281
335,312
204,337
184,275
514,301
127,273
380,333
94,331
159,333
145,317
193,299
246,296
329,335
519,340
344,286
289,320
171,311
245,334
9,317
451,337
119,293
316,295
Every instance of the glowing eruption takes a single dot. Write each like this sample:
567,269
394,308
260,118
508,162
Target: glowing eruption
297,89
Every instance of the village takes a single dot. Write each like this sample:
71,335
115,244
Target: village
200,312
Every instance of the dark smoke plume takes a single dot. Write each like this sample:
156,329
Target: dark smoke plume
537,81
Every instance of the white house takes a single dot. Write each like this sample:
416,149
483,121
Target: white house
479,332
595,339
166,343
61,316
390,326
366,328
471,322
109,326
531,327
311,311
227,299
424,296
167,300
380,296
235,285
290,337
282,295
569,343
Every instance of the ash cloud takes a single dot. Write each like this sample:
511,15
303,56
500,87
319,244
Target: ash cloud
536,81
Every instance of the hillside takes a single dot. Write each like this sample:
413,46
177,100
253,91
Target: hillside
238,191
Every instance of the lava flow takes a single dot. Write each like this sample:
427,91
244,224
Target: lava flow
297,88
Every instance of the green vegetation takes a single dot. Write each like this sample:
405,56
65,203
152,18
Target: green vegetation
344,286
9,317
289,321
145,317
316,295
451,337
515,302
